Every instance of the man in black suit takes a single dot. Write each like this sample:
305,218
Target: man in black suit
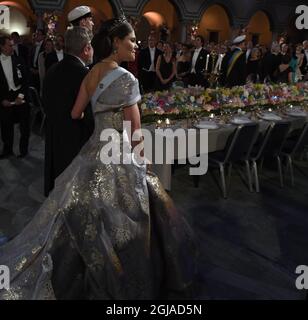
65,136
57,55
147,65
13,99
198,64
20,50
34,55
234,64
270,64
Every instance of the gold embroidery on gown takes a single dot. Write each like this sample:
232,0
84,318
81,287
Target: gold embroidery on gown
106,231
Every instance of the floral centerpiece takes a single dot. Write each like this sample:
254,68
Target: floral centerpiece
179,103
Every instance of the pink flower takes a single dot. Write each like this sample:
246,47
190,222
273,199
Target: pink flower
161,102
159,110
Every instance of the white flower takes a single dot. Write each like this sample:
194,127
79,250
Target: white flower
192,99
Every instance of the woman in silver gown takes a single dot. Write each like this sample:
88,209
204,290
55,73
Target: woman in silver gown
107,231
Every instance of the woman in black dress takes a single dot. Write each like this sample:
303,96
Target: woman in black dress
183,64
284,70
165,69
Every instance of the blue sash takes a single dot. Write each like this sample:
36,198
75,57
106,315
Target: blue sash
106,82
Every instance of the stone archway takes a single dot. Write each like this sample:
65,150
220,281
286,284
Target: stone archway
214,25
157,13
260,28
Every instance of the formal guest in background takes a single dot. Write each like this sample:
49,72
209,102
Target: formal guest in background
13,99
143,44
249,48
160,45
82,16
65,136
178,50
35,52
284,70
165,68
48,49
304,67
234,64
212,58
183,64
20,50
264,51
285,50
254,66
198,63
270,64
147,65
298,60
56,55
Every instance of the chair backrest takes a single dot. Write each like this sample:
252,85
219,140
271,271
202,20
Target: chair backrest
240,143
302,141
274,139
35,99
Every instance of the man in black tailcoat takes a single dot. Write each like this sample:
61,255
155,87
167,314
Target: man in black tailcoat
147,65
198,64
37,48
20,50
65,136
13,99
56,55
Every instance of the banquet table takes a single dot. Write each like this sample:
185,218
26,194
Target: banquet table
217,139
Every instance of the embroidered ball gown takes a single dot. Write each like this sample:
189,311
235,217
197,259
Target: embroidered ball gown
106,231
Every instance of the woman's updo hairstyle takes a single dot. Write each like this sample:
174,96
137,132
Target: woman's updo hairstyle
103,41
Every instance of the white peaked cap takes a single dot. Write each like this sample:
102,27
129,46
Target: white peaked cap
239,39
78,13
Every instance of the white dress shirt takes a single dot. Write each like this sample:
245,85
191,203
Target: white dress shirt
60,55
37,51
194,60
248,52
152,54
6,62
16,49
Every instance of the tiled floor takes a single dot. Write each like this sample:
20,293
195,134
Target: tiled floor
250,244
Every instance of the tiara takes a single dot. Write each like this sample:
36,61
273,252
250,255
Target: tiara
119,21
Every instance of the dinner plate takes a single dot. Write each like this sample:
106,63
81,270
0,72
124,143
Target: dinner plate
207,125
270,117
240,120
297,113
